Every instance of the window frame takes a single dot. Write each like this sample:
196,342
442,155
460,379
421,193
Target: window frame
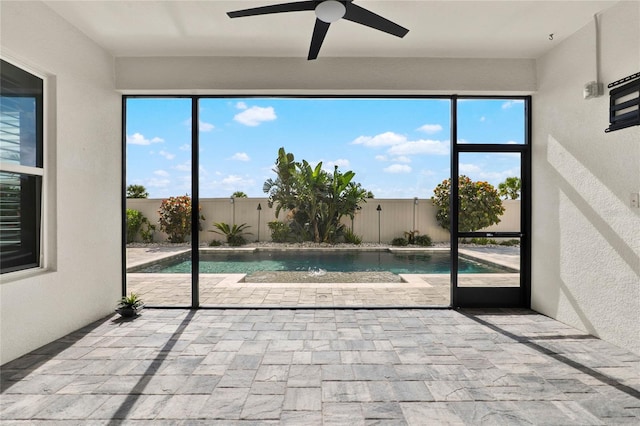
458,299
42,171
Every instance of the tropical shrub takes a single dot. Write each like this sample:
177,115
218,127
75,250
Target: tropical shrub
410,236
215,243
132,301
510,188
479,203
422,240
279,231
317,199
235,234
351,238
147,230
134,222
400,241
175,218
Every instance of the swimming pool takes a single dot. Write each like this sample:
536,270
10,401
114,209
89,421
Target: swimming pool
425,262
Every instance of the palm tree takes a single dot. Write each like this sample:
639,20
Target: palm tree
137,191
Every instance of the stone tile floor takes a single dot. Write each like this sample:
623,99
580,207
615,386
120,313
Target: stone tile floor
324,366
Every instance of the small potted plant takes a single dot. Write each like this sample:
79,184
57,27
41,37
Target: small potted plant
129,306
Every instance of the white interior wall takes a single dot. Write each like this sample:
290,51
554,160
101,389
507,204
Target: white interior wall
293,76
82,236
586,239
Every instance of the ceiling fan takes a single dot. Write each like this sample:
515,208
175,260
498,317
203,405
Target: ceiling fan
327,12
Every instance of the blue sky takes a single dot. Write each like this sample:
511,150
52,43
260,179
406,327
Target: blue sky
398,148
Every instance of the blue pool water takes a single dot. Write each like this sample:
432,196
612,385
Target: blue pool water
340,261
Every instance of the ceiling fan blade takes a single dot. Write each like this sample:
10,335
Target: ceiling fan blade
363,16
274,8
319,31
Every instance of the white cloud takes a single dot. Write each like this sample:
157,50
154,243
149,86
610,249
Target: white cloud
240,156
232,179
482,119
469,168
203,126
402,159
241,105
167,155
139,139
184,167
206,127
499,176
255,116
397,168
162,173
185,147
383,139
420,147
340,162
511,103
157,183
381,158
430,129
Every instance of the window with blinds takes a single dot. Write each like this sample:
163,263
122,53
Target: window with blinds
21,168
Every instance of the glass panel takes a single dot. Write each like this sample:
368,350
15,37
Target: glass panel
19,221
399,150
490,192
491,121
158,198
20,117
489,263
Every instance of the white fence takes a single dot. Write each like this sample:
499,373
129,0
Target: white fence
396,217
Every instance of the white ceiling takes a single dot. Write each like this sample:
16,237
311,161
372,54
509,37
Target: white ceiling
438,28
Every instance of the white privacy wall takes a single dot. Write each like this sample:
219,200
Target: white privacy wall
82,237
586,237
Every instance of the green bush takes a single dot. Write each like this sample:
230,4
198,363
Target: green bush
400,241
510,243
410,235
134,223
215,243
236,240
423,241
233,233
280,231
480,205
351,238
483,241
147,230
175,218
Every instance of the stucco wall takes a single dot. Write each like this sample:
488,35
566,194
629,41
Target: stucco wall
586,237
396,217
82,238
372,76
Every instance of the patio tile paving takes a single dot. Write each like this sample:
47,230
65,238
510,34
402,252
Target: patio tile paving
386,366
231,290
